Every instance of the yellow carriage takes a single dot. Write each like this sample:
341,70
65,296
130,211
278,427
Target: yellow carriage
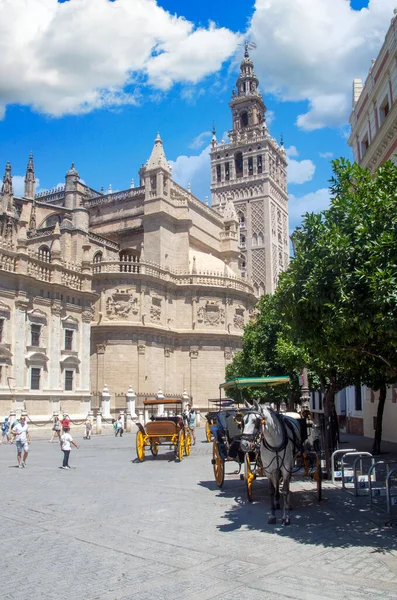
163,430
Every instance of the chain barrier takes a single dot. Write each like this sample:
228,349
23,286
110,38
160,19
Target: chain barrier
36,424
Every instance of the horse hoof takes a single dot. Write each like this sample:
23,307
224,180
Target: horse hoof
286,521
272,521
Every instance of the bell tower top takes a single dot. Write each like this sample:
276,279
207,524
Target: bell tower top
248,108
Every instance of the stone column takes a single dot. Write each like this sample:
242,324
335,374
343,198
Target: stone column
185,400
105,402
85,350
141,365
55,346
20,343
130,406
160,407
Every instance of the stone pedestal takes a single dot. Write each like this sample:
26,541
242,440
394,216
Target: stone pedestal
105,402
99,423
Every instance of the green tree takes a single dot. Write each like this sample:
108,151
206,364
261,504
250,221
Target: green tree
339,298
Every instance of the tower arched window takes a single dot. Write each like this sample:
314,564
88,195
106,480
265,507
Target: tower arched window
97,262
129,261
244,119
254,240
44,254
241,220
238,161
242,241
261,239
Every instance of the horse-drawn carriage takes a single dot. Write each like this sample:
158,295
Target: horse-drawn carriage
163,429
214,406
266,442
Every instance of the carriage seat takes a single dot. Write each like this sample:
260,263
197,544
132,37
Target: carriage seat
164,427
233,430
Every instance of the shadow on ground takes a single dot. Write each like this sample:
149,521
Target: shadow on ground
338,521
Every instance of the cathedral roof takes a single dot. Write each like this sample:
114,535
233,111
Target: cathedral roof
157,158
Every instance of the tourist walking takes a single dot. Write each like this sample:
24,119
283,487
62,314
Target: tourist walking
22,439
5,428
192,424
66,446
119,427
88,429
65,422
56,429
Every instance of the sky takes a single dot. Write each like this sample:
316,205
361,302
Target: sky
93,81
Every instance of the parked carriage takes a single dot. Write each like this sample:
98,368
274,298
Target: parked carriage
227,433
216,404
163,430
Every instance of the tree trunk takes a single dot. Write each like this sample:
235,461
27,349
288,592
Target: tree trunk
329,436
379,419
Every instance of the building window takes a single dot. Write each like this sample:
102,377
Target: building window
97,262
35,379
254,240
244,119
384,110
35,331
250,165
259,163
320,401
358,401
44,254
68,339
313,400
242,241
241,219
69,381
261,239
218,173
238,159
227,171
1,330
364,145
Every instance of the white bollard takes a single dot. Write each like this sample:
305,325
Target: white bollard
105,404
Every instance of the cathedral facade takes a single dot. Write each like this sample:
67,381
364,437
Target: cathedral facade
147,287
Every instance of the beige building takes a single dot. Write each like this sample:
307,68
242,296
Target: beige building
136,288
251,170
373,120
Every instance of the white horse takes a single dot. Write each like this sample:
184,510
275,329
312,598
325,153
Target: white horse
280,441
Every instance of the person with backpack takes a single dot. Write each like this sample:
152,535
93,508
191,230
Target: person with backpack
5,428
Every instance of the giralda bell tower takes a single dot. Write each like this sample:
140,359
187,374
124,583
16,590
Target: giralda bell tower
251,169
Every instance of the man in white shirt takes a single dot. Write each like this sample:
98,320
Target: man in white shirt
22,439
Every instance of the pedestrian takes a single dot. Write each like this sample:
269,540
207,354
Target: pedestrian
56,429
66,442
192,424
88,428
22,438
12,436
5,428
119,426
65,422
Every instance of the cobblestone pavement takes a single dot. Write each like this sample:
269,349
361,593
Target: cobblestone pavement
113,529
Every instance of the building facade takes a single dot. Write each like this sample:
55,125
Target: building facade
373,120
373,141
136,288
251,171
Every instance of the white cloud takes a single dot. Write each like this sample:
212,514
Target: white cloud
81,55
195,170
270,117
291,152
18,185
327,155
313,49
300,171
200,140
312,202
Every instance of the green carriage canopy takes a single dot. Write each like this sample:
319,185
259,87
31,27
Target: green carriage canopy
243,382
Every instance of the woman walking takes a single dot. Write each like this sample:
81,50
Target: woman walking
56,429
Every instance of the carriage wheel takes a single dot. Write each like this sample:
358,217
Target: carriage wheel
218,464
154,449
180,447
248,477
208,433
188,443
140,446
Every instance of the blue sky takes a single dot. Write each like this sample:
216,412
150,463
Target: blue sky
92,81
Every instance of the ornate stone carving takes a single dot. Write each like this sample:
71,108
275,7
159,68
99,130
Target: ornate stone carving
211,314
86,315
228,354
239,318
121,304
4,310
100,348
56,308
167,352
193,353
141,348
155,310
